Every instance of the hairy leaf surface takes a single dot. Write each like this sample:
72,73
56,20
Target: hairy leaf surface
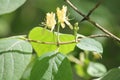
15,54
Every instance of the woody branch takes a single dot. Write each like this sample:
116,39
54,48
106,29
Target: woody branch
87,18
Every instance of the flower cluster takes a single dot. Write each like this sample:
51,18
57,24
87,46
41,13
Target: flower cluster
50,20
61,16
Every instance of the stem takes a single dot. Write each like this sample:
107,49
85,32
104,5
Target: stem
75,8
75,29
92,10
58,39
75,60
104,30
64,43
50,43
99,35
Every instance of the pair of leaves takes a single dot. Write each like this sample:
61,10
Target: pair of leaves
51,66
44,35
7,6
15,54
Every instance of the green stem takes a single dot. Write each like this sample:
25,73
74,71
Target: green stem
87,55
75,28
58,39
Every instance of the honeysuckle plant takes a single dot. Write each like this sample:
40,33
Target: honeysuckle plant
65,43
53,51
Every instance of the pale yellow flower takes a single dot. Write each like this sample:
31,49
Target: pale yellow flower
50,20
62,18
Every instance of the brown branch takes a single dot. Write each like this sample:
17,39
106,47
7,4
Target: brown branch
93,36
63,43
104,30
51,43
98,35
94,23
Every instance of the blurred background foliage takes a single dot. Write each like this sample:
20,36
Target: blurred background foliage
33,12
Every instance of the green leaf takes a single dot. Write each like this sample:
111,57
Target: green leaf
96,69
27,72
7,6
51,66
113,74
89,44
44,35
15,54
68,47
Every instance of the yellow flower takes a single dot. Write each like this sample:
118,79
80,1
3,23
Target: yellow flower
62,18
50,20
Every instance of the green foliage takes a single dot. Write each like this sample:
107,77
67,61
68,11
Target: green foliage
51,59
68,47
113,74
51,66
44,35
7,6
15,55
96,69
89,44
90,69
82,71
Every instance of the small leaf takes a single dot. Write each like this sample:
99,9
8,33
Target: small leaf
89,44
51,66
96,69
44,35
113,74
15,54
7,6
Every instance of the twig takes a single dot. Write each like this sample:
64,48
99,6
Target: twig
98,35
104,30
51,43
93,9
75,8
93,36
94,23
64,43
75,60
